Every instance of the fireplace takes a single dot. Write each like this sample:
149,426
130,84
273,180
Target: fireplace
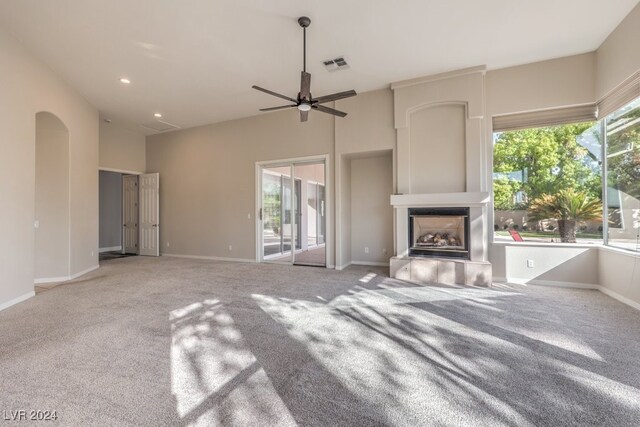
439,232
460,259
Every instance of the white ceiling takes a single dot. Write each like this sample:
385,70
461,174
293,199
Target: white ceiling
195,60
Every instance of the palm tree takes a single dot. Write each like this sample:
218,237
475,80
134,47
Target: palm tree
567,207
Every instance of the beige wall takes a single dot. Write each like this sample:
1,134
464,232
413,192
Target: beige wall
33,88
620,273
437,149
551,265
121,149
207,176
51,258
371,212
541,85
369,125
343,209
619,57
368,129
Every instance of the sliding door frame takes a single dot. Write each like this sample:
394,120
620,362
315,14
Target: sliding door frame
328,202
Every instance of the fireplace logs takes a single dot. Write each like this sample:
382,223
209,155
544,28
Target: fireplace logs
438,239
439,232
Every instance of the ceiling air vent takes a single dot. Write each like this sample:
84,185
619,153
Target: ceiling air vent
336,64
159,126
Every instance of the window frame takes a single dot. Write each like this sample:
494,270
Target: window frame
567,116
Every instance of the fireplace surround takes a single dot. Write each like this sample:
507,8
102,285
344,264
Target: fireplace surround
419,218
441,162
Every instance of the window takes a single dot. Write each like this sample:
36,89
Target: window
622,171
547,184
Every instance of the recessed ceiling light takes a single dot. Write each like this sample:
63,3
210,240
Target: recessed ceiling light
158,115
124,80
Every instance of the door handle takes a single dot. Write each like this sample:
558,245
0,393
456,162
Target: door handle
155,225
260,214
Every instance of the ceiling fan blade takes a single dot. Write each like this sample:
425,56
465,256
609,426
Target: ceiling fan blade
305,85
304,115
282,107
329,110
334,96
274,93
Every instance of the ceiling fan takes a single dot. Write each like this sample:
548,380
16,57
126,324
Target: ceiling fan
305,102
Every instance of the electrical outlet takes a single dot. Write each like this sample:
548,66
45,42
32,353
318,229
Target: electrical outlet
366,249
248,216
384,251
529,263
168,244
230,248
36,224
92,253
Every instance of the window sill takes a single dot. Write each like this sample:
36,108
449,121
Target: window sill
549,245
599,246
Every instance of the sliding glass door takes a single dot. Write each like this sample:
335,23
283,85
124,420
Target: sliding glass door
276,212
293,210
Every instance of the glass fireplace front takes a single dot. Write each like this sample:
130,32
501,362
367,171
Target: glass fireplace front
439,232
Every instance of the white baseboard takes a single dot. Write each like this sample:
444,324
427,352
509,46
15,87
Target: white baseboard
617,296
343,266
15,301
370,263
83,272
51,279
210,258
557,284
573,285
110,249
65,278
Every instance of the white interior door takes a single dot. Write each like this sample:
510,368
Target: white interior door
150,214
130,214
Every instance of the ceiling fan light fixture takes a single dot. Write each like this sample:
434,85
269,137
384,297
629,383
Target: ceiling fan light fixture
304,106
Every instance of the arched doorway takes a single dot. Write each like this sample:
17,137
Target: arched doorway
51,199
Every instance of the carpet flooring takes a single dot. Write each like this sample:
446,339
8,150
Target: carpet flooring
168,341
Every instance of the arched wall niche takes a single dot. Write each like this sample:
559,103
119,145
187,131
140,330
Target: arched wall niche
437,151
52,213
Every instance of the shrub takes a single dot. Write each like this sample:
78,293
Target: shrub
567,207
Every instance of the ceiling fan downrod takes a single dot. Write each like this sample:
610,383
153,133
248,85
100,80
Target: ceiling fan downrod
304,22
